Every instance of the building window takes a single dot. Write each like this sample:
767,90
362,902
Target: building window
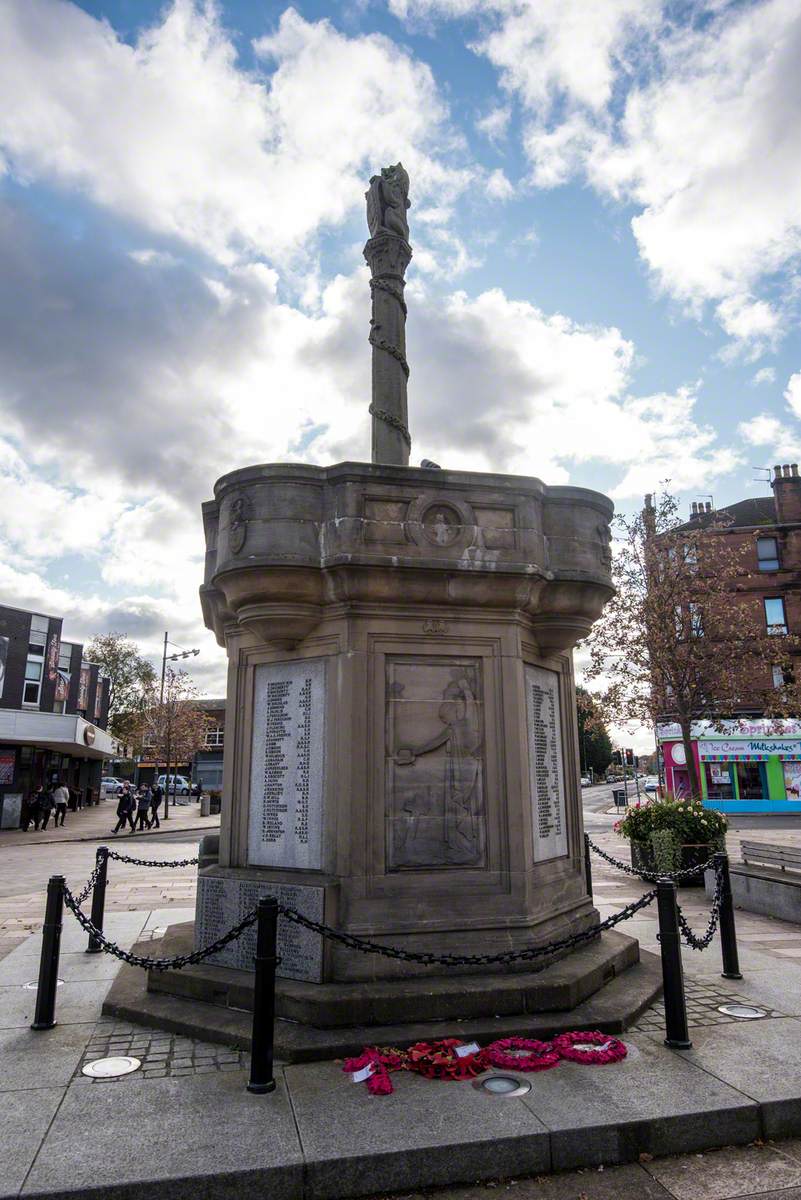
33,682
696,621
751,781
64,656
37,638
774,615
767,554
778,677
214,738
719,783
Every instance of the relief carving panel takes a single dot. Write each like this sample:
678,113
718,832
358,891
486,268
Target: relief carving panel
435,763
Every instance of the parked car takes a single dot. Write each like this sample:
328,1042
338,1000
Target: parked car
586,781
651,785
109,786
179,784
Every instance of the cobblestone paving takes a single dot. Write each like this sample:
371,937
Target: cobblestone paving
703,1001
160,1053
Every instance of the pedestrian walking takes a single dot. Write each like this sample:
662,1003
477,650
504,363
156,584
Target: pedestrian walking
143,798
125,809
30,812
156,797
44,800
60,798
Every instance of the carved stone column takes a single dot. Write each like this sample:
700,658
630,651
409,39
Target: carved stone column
388,256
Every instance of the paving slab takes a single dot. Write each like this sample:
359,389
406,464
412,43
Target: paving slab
24,1124
73,965
37,1059
76,1003
121,927
616,1183
426,1133
651,1102
721,1174
194,1136
761,1060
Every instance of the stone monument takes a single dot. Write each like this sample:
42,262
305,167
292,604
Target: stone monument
401,752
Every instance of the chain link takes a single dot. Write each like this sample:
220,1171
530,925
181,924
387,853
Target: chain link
383,286
156,964
692,939
90,886
393,421
383,344
429,959
153,862
651,876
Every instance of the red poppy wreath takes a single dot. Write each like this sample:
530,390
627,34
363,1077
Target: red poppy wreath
439,1060
522,1054
589,1047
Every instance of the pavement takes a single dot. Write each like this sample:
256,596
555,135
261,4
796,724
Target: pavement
185,1124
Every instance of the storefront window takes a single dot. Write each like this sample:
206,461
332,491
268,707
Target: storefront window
719,785
792,780
751,781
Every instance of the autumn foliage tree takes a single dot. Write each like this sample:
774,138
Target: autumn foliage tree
682,640
175,726
131,681
595,746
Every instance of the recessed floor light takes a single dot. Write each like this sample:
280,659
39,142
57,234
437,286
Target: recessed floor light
505,1086
33,984
111,1068
743,1012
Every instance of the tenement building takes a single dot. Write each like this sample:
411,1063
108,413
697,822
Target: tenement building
750,763
53,713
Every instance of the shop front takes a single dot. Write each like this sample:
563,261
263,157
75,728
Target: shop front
749,767
39,748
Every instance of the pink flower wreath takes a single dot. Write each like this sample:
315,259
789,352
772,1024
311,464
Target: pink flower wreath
531,1055
566,1045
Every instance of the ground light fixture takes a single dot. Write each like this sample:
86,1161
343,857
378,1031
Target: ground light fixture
506,1087
33,984
111,1068
742,1012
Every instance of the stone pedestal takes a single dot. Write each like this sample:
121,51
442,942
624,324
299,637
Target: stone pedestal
400,743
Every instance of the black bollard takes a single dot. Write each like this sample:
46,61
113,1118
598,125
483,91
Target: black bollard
261,1053
677,1035
587,865
98,899
728,933
45,1015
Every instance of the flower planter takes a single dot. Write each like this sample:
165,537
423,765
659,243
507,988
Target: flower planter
692,855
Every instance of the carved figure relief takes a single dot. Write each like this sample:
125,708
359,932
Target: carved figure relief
238,530
441,525
605,554
387,202
435,763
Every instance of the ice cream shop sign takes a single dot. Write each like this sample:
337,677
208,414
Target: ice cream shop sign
740,769
754,750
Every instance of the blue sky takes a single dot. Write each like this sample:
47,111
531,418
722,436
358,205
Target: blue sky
606,221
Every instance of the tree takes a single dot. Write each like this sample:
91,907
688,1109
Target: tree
681,640
595,746
131,680
175,726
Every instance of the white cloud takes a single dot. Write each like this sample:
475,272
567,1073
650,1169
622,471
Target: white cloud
768,430
694,121
764,375
174,134
498,186
495,123
792,394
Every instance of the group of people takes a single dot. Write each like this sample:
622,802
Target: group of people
140,808
46,801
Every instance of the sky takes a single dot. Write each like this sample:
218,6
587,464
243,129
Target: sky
605,289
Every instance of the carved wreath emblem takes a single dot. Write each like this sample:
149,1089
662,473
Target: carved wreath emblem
239,525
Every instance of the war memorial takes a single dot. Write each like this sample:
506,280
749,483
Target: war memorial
401,748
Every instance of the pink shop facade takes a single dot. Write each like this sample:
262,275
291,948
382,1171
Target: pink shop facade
744,766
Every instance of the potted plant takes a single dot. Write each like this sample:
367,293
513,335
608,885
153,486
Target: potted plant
668,835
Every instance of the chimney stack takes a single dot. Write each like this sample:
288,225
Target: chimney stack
786,487
694,509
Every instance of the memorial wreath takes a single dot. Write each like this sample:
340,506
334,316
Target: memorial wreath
522,1054
593,1047
439,1060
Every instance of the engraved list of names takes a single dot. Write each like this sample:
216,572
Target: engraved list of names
288,765
546,770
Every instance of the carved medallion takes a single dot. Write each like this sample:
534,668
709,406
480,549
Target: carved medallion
441,525
238,530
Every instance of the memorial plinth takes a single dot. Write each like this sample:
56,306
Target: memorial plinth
401,746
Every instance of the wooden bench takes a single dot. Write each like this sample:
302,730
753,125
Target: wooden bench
771,856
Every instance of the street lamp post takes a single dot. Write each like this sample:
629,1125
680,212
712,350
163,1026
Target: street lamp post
165,658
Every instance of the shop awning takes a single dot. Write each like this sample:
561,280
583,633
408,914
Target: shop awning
63,732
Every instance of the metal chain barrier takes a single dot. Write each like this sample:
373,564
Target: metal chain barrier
153,862
155,964
692,939
90,886
429,959
651,876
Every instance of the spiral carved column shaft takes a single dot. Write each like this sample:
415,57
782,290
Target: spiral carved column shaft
388,257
